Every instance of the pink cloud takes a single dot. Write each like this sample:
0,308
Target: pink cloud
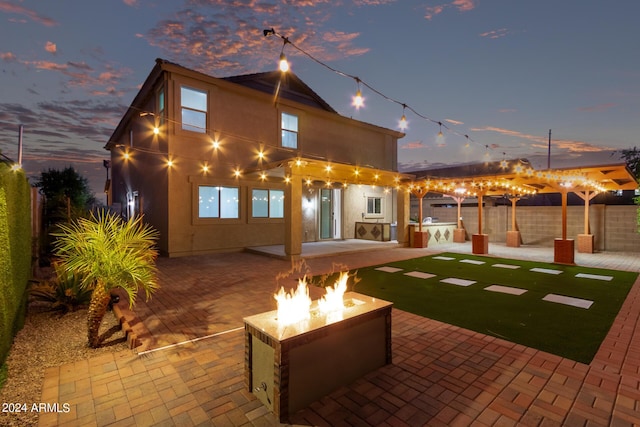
413,145
542,141
433,11
454,122
461,5
51,47
130,2
464,5
495,34
34,16
598,108
8,56
227,36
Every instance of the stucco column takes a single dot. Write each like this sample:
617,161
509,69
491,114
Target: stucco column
402,200
293,216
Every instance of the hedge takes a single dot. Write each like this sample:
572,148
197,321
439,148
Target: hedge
15,253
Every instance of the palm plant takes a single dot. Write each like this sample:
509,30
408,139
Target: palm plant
108,252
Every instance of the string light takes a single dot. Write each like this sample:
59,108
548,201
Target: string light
403,120
358,100
283,63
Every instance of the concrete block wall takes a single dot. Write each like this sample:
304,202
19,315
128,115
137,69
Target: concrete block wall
614,227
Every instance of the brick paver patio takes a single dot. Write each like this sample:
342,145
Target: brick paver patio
441,375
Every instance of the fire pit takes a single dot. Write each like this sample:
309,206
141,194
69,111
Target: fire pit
291,363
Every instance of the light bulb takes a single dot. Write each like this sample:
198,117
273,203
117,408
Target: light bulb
284,65
403,122
358,100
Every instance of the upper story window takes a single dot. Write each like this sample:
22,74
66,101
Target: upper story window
194,109
218,202
289,128
267,203
161,106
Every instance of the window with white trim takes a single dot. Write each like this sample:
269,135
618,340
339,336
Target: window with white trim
193,103
267,203
218,202
374,206
289,128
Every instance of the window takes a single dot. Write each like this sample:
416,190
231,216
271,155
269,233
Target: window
289,130
218,202
194,109
161,106
267,203
374,206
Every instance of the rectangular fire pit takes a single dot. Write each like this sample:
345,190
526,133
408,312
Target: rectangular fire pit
288,367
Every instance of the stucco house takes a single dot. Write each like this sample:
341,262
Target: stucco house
221,164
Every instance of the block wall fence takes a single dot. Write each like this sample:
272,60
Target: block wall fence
614,226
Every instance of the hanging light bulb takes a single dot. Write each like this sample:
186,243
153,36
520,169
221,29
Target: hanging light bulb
403,120
358,100
283,64
440,134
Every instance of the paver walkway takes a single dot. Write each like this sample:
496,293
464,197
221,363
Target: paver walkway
441,375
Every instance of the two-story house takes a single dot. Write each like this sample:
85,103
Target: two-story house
221,164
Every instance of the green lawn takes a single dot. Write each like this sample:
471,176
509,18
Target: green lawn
571,332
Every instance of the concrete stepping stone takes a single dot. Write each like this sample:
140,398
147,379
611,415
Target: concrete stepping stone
472,261
509,266
444,258
546,270
505,290
420,274
388,269
594,276
574,302
458,282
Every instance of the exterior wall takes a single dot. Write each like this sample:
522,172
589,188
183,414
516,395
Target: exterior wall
613,226
244,121
355,207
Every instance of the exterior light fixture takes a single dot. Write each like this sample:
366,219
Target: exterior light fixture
215,144
440,134
156,130
236,173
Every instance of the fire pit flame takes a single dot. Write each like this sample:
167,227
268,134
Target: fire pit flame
293,307
333,300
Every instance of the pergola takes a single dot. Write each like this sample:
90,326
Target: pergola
512,181
517,181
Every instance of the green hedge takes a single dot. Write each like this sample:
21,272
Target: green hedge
15,253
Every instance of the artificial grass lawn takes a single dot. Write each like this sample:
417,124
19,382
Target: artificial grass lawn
571,332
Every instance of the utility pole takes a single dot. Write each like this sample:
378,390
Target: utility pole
549,152
20,130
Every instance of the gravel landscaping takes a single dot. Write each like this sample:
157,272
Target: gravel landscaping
48,339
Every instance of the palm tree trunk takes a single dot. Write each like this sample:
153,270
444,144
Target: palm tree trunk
97,309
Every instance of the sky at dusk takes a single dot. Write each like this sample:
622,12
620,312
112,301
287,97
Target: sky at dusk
503,72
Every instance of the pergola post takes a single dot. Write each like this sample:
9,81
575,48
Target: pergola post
459,234
479,241
586,240
563,249
293,216
513,236
420,238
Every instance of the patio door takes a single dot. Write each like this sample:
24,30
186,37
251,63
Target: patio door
330,213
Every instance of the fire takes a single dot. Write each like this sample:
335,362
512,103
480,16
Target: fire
294,307
333,298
